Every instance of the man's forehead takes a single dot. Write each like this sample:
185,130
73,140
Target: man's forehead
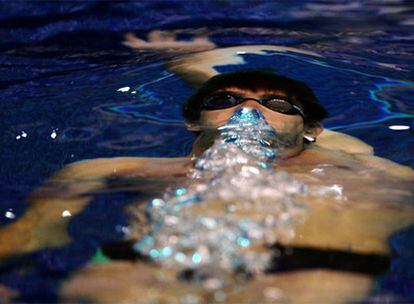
247,91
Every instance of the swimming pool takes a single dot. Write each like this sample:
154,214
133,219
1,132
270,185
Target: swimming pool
71,91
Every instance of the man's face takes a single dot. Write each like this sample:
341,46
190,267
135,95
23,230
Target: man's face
290,128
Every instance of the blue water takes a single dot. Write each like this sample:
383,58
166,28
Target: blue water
61,65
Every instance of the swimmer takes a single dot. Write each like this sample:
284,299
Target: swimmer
350,222
353,220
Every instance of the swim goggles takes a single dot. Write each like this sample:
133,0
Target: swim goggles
227,100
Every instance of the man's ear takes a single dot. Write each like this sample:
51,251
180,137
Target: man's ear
313,129
192,126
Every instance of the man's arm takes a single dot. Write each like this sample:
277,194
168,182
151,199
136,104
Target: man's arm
196,68
67,193
386,165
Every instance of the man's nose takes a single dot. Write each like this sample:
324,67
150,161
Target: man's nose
251,103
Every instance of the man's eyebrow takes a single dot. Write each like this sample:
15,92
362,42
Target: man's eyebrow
230,91
277,95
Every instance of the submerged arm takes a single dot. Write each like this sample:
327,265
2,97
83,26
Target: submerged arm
67,193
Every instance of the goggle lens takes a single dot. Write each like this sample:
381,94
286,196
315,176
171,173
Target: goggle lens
278,105
221,101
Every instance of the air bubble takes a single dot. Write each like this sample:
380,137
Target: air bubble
237,172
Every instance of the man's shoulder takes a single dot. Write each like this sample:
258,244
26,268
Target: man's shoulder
338,141
355,162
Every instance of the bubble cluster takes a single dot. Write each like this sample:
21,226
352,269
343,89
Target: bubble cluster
232,204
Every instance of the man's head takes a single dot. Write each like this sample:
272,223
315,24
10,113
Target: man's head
251,86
